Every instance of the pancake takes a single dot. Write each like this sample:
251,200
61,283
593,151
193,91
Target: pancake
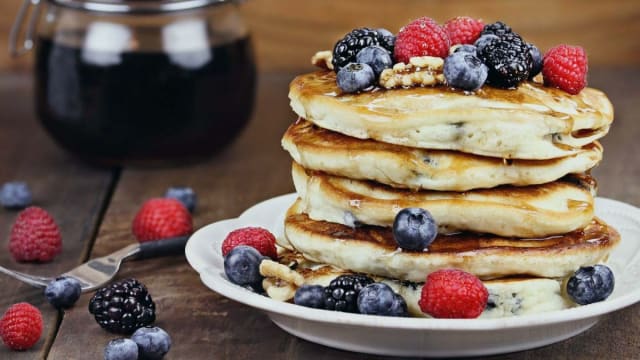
530,122
507,296
405,167
373,250
532,211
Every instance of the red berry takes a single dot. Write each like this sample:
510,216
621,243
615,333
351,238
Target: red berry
451,293
35,236
463,30
21,326
162,218
565,67
258,238
422,37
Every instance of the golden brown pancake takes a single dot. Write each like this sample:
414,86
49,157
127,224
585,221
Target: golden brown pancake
373,250
529,122
406,167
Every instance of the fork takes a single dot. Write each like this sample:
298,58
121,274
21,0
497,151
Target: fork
97,272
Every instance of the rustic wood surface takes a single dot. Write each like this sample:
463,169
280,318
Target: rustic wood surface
204,325
288,32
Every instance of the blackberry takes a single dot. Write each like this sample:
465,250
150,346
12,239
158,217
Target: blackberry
508,59
123,307
346,49
342,293
497,28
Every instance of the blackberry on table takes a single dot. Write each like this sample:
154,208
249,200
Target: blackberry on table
342,293
346,49
508,59
123,307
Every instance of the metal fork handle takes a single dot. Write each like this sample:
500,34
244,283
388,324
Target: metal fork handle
37,281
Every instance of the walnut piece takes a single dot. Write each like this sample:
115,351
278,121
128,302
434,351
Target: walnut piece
322,59
420,71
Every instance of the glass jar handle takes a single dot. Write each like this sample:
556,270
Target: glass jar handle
17,50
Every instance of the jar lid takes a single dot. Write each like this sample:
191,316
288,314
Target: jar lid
137,6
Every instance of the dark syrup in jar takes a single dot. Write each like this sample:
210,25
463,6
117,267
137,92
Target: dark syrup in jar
145,107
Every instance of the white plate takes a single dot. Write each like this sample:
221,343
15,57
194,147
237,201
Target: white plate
415,336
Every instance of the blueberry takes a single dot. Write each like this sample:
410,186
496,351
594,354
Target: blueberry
185,195
355,77
375,56
465,71
121,349
484,40
153,342
414,229
310,296
465,48
63,292
379,299
591,284
242,266
15,195
537,60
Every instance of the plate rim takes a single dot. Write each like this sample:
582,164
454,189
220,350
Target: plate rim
241,295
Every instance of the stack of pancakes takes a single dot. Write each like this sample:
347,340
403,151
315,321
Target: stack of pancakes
505,174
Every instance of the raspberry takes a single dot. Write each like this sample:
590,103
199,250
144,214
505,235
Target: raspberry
422,37
35,236
451,293
463,30
565,67
21,326
258,238
161,218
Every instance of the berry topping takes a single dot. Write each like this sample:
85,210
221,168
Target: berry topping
123,307
497,28
342,293
63,292
463,30
21,326
310,296
35,236
422,37
15,195
380,299
355,77
258,238
153,342
536,57
346,49
161,218
565,67
508,59
414,229
185,195
242,266
121,349
483,41
591,284
471,49
463,70
451,293
376,57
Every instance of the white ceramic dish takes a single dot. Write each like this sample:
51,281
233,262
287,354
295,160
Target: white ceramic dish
415,336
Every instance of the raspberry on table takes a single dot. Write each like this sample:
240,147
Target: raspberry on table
452,293
161,218
256,237
565,67
21,326
421,37
463,30
35,236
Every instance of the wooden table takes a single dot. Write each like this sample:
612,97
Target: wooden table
95,206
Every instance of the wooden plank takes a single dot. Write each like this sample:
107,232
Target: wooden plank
288,32
71,191
206,325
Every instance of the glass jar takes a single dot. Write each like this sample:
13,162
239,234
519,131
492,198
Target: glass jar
141,81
